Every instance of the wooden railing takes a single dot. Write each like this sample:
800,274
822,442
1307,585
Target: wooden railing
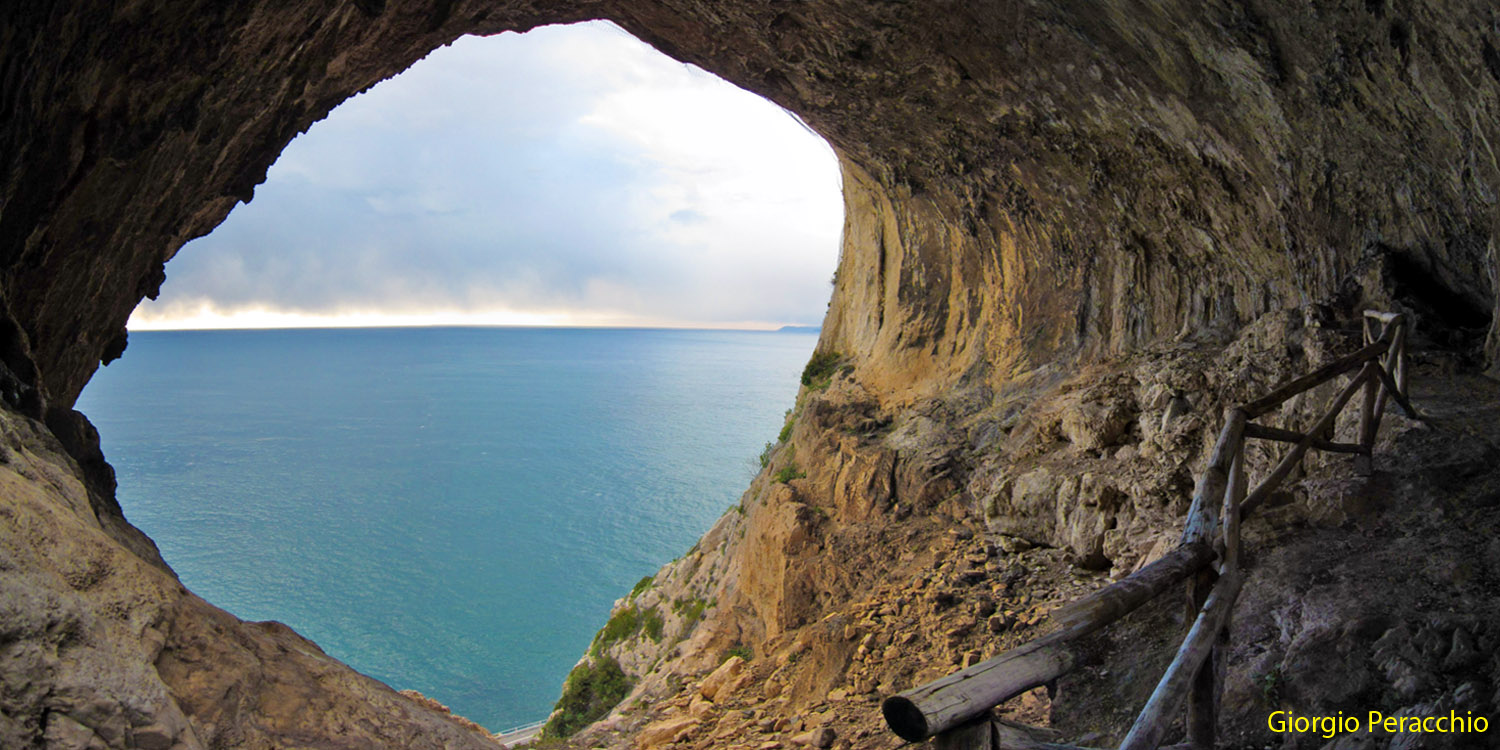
956,709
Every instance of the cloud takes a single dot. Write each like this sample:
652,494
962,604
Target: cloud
570,172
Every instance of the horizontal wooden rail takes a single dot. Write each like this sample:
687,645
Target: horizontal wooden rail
1290,436
950,701
953,700
954,708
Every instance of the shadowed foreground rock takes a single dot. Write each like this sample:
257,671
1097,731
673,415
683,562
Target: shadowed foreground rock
99,648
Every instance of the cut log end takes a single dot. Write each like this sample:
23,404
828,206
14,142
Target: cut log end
904,718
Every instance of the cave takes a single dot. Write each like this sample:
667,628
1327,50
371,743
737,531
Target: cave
1031,188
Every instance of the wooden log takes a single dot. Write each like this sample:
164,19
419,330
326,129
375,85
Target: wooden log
1401,368
958,698
1398,342
1395,390
1156,718
1124,596
1013,736
975,735
1275,398
1274,479
1263,432
1013,742
1203,514
1233,497
1203,690
953,700
1369,421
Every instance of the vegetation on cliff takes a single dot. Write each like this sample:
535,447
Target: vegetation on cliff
593,688
819,370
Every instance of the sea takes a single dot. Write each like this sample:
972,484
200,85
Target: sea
451,510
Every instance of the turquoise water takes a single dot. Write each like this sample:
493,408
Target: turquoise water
446,509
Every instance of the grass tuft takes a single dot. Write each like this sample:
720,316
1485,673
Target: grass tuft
788,473
641,586
651,624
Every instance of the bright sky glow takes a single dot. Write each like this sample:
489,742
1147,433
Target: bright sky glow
568,176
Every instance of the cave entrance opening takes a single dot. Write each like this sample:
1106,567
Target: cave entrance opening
451,507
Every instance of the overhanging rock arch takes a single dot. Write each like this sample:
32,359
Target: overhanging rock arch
1025,181
1150,168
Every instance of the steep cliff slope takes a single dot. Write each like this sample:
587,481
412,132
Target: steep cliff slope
920,541
1057,211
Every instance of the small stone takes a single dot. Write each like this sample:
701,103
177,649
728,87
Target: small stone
821,737
1013,544
727,673
1461,652
700,707
665,732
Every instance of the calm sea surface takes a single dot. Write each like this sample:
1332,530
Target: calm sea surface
446,509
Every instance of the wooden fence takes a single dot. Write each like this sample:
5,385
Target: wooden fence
956,709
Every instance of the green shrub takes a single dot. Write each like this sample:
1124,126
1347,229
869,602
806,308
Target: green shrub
788,473
740,650
641,586
766,453
591,690
786,428
819,370
651,624
690,610
1270,685
622,625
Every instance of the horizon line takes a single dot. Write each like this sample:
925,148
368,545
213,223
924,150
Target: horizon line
579,326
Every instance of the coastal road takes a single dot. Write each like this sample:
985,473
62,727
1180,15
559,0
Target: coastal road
522,735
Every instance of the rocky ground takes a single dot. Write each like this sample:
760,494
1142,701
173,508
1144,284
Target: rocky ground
1365,594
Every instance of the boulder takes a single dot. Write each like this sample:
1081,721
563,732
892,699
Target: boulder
727,675
665,732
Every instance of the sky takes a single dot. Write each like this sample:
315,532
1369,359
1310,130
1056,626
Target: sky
571,175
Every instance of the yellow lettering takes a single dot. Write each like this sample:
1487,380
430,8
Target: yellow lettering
1391,724
1374,720
1273,725
1485,728
1328,726
1424,724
